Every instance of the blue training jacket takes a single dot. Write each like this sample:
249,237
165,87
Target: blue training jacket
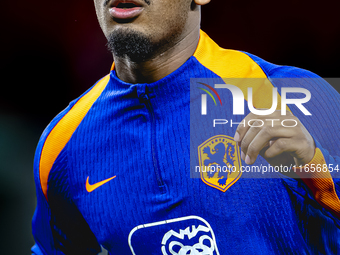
118,168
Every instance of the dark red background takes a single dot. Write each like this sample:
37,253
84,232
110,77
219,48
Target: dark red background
55,50
52,51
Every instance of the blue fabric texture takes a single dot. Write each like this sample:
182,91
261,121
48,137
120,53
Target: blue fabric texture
140,133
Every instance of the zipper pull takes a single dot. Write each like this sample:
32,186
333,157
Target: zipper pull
144,98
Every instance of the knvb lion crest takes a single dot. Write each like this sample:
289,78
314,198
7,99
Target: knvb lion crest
220,162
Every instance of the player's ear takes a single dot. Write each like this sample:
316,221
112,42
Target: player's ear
202,2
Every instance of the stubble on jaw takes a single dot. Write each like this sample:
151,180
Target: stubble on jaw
130,44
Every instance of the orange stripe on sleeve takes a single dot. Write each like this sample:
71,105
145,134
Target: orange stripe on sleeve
62,132
320,183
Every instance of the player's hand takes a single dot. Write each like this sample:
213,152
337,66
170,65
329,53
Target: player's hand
277,144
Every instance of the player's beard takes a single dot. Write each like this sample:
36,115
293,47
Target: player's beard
135,46
140,46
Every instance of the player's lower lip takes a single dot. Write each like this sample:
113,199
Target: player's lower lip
128,13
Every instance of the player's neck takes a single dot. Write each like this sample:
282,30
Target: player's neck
160,66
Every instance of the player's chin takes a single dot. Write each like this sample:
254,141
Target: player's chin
126,28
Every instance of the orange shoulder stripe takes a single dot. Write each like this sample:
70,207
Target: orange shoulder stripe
62,132
236,68
226,63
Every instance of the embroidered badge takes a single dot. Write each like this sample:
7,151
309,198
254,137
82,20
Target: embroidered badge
220,162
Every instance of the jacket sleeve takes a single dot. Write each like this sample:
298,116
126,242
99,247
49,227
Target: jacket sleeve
58,227
321,175
41,229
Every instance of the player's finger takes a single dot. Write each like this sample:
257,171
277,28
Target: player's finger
243,127
249,137
280,146
256,139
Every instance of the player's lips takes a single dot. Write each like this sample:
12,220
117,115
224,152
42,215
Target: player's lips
125,9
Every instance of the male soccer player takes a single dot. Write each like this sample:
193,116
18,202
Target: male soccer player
113,168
